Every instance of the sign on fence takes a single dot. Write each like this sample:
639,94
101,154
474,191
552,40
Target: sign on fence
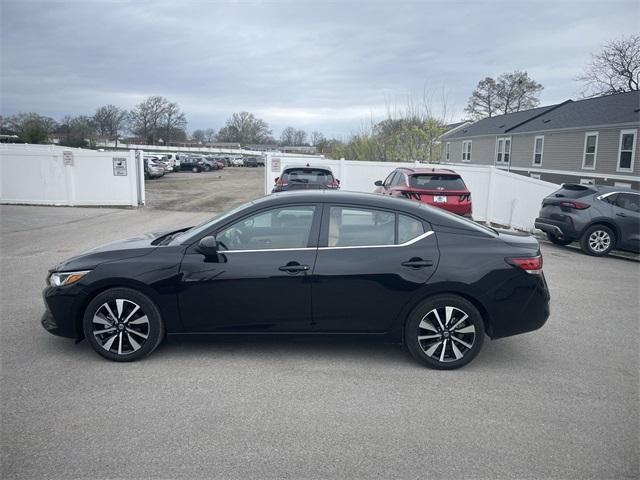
119,167
67,158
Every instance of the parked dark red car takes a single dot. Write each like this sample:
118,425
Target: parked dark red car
439,187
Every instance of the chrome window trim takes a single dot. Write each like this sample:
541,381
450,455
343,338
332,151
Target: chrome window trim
608,194
405,244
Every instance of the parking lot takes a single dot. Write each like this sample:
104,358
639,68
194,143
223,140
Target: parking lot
561,402
216,191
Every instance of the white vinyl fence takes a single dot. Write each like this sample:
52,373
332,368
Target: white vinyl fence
498,196
52,175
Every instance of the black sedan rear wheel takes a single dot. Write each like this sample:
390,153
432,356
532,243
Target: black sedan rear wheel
123,325
444,332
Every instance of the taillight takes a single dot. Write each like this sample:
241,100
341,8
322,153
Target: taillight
465,198
531,265
573,204
411,195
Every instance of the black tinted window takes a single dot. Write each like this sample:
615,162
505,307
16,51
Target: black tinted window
437,182
408,228
307,175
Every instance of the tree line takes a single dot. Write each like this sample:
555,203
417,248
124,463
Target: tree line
408,132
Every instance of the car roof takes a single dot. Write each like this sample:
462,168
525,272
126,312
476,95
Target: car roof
424,170
429,213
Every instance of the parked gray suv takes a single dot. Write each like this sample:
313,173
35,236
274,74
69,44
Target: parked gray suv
600,218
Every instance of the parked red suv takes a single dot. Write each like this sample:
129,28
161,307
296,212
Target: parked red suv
436,186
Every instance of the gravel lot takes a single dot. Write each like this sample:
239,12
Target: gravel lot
215,191
558,403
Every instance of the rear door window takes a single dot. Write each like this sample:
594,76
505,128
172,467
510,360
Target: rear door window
408,228
353,227
437,182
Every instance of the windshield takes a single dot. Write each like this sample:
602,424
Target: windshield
187,236
437,182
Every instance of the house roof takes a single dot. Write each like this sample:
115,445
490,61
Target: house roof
608,109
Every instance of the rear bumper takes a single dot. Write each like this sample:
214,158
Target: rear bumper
558,228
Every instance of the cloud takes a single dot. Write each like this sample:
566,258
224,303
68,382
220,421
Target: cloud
316,65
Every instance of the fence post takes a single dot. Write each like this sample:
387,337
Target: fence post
490,194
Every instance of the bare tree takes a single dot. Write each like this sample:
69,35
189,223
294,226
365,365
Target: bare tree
209,135
615,69
174,122
146,118
511,92
316,138
109,120
198,136
517,91
245,128
484,101
288,135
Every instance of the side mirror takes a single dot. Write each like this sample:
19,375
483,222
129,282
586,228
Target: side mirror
208,246
338,180
378,183
276,180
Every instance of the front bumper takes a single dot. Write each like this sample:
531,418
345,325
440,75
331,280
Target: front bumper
61,311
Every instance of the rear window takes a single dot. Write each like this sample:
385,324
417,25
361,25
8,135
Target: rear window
437,182
573,191
307,175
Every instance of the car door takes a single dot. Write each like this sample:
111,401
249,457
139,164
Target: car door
626,211
260,278
369,265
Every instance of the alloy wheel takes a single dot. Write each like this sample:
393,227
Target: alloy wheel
446,334
599,241
120,326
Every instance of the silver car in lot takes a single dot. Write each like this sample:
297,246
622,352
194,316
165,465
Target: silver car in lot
600,218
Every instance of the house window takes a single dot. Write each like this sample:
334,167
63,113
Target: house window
622,184
535,175
503,150
466,151
590,150
626,151
587,181
538,145
447,149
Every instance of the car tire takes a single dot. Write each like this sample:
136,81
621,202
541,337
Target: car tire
598,240
444,332
558,241
195,170
123,325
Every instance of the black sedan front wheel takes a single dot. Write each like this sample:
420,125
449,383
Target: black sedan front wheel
123,325
445,332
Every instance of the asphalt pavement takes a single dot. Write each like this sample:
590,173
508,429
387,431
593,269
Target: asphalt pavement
562,402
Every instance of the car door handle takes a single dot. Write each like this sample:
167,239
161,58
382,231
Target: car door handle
620,214
293,268
417,263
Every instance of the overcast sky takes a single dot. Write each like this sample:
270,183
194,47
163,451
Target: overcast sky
316,65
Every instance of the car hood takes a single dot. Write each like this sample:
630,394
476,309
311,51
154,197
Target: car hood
118,250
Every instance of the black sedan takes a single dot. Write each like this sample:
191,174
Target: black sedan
322,262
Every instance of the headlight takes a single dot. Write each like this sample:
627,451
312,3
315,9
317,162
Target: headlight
62,279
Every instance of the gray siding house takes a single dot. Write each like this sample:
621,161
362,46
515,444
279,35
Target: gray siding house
586,141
